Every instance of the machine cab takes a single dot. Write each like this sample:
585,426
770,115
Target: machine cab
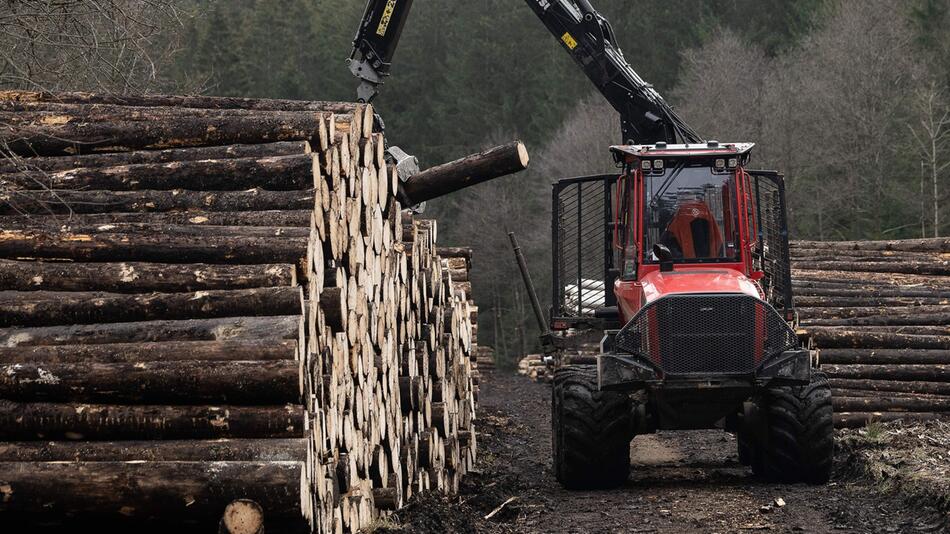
688,210
679,219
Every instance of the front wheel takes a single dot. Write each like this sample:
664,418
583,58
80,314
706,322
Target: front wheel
591,431
800,434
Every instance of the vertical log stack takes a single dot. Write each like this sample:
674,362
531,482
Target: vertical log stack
211,299
879,311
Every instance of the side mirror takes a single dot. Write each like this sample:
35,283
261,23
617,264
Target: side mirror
662,253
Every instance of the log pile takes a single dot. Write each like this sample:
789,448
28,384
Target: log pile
208,301
879,312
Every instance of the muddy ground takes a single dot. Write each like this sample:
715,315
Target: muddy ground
681,482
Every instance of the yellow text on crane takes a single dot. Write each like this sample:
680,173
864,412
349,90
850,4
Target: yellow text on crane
384,20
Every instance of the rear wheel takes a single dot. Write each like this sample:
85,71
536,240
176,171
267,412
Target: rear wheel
591,431
800,433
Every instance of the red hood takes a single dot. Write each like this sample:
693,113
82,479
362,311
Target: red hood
698,279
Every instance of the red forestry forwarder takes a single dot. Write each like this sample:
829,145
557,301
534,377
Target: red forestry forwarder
681,261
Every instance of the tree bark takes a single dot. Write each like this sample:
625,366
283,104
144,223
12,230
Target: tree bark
113,247
919,316
177,382
275,173
161,351
285,327
867,300
49,308
884,404
136,277
204,102
179,492
884,386
834,339
932,372
123,129
938,244
278,218
69,202
884,356
198,230
62,163
219,450
860,419
907,267
470,170
47,421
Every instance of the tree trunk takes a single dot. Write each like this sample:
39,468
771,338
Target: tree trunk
122,129
884,404
176,382
907,267
868,300
276,173
220,450
901,386
858,420
470,170
112,247
162,351
179,492
62,163
884,356
134,277
273,218
68,202
914,316
829,339
242,516
229,328
935,373
941,244
46,421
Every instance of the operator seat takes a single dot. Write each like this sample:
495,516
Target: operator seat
693,232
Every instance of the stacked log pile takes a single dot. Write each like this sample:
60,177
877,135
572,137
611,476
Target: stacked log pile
879,312
211,299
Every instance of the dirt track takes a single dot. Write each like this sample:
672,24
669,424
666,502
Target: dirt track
682,482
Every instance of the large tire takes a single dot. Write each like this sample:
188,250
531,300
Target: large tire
591,431
800,434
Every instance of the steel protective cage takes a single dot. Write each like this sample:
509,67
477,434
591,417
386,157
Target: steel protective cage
771,255
582,257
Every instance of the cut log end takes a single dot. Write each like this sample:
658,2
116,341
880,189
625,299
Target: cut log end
242,516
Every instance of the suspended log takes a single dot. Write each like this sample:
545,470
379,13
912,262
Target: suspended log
47,308
136,277
936,373
278,218
46,421
61,163
274,173
162,351
858,420
177,382
229,328
14,202
218,450
470,170
121,129
828,339
886,404
884,356
151,491
936,244
112,247
929,388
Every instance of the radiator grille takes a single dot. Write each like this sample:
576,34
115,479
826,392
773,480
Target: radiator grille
706,334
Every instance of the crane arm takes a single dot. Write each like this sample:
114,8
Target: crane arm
645,117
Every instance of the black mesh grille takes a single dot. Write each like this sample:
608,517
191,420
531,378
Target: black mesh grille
706,334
